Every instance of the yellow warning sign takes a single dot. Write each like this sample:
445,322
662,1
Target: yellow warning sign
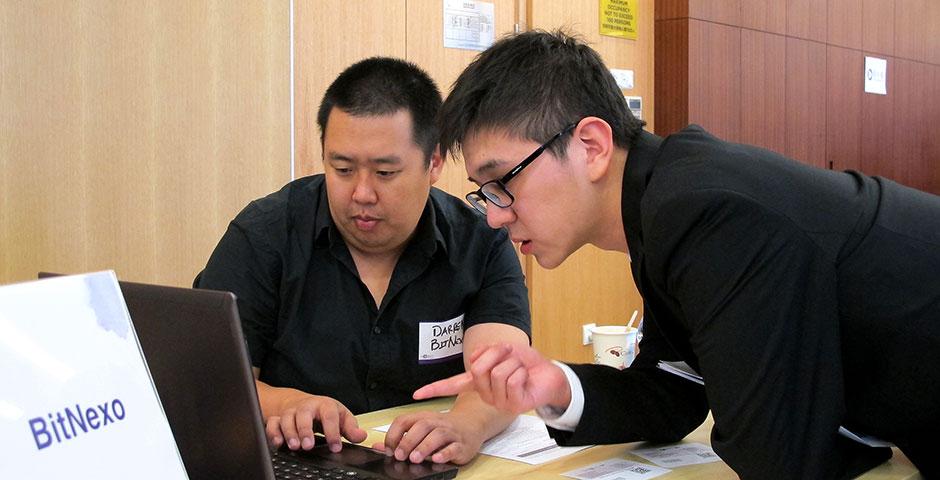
618,18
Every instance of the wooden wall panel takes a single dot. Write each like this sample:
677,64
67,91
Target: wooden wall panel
878,27
727,12
844,107
931,133
932,48
877,142
672,75
715,63
424,35
844,19
909,165
910,29
669,9
764,15
806,101
592,285
763,89
807,19
131,136
330,35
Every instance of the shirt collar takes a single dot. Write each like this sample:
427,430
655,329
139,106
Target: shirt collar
641,158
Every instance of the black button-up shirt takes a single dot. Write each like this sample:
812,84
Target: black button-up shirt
312,324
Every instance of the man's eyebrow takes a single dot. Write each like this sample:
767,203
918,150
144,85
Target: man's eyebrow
488,166
389,160
338,156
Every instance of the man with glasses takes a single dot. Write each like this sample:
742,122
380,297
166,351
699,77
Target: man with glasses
359,285
807,299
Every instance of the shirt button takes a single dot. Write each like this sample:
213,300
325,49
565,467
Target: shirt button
373,385
376,330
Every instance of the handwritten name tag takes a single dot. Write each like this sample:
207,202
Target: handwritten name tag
440,341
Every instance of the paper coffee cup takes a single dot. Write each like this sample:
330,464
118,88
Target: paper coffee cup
614,345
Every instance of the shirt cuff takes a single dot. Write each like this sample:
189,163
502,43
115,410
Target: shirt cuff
569,419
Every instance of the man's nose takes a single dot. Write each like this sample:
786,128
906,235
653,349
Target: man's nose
365,190
499,217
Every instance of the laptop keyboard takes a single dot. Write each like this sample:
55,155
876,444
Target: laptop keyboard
288,466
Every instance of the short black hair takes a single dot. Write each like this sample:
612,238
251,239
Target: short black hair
532,85
383,86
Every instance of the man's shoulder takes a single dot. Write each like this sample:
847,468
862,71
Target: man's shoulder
297,195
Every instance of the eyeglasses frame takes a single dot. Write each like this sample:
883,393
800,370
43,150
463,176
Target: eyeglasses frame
502,181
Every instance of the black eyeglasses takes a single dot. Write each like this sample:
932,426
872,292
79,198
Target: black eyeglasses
495,191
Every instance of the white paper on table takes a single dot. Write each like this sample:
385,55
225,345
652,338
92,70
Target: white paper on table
616,469
678,455
526,440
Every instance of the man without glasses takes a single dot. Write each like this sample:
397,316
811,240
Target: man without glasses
359,285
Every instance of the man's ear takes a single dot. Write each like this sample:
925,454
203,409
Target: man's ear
597,139
436,165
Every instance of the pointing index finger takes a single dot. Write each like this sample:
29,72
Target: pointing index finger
449,386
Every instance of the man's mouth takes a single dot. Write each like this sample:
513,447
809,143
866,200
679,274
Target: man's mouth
365,222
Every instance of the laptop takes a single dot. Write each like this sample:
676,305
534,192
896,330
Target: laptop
193,343
77,401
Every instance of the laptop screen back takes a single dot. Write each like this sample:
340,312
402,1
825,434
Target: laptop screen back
199,362
77,399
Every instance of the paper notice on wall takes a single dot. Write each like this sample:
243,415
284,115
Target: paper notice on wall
618,18
468,24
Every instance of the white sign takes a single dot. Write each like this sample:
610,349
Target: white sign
468,24
624,78
876,75
440,341
77,398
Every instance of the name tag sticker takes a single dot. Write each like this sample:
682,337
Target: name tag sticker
440,341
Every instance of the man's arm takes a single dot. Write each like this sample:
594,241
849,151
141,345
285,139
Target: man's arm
290,416
455,436
759,300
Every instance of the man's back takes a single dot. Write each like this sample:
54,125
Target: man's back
857,258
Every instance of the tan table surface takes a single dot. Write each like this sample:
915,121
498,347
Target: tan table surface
487,467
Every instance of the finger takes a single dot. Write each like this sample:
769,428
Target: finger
415,435
498,378
482,369
515,391
272,430
436,439
329,422
350,427
397,430
442,388
380,447
451,453
303,420
289,429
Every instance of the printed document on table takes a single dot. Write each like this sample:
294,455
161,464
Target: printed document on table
679,455
616,469
526,440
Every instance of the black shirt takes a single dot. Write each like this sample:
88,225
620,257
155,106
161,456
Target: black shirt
312,324
807,299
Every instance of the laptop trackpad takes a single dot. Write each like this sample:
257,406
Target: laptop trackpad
367,462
